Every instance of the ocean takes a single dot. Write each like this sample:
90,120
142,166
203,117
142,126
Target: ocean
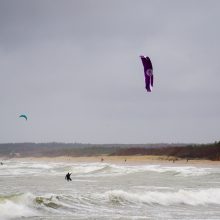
37,190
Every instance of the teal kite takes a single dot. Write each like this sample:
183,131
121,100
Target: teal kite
23,116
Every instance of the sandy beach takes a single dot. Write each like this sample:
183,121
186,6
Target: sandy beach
118,160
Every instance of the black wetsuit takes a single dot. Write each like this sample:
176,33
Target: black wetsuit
67,177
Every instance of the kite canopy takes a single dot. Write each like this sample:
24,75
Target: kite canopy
148,72
23,116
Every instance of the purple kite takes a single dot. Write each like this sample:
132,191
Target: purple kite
148,73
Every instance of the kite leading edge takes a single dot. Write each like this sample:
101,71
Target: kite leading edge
23,116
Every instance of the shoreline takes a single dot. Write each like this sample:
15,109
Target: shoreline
135,159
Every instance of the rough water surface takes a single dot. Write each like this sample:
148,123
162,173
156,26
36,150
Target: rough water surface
38,190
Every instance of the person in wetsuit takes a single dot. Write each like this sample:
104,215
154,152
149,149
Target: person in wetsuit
67,177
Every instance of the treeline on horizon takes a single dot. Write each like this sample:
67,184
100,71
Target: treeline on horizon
62,149
188,151
202,151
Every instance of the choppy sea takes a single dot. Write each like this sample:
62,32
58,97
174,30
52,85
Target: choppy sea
38,191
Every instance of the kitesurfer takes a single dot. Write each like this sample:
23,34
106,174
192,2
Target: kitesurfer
67,177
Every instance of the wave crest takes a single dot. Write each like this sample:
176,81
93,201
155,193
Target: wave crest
186,197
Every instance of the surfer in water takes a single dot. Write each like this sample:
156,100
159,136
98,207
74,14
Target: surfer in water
67,177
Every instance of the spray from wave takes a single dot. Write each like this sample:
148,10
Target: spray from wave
16,205
26,205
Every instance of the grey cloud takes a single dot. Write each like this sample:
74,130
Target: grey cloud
73,66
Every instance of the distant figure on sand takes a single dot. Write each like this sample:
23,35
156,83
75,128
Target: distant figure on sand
102,159
67,177
125,159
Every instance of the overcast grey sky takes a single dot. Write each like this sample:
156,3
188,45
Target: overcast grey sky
73,67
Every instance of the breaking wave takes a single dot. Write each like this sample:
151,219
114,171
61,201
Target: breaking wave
110,169
14,206
27,204
186,197
99,169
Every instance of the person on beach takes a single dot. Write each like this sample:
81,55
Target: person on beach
67,177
